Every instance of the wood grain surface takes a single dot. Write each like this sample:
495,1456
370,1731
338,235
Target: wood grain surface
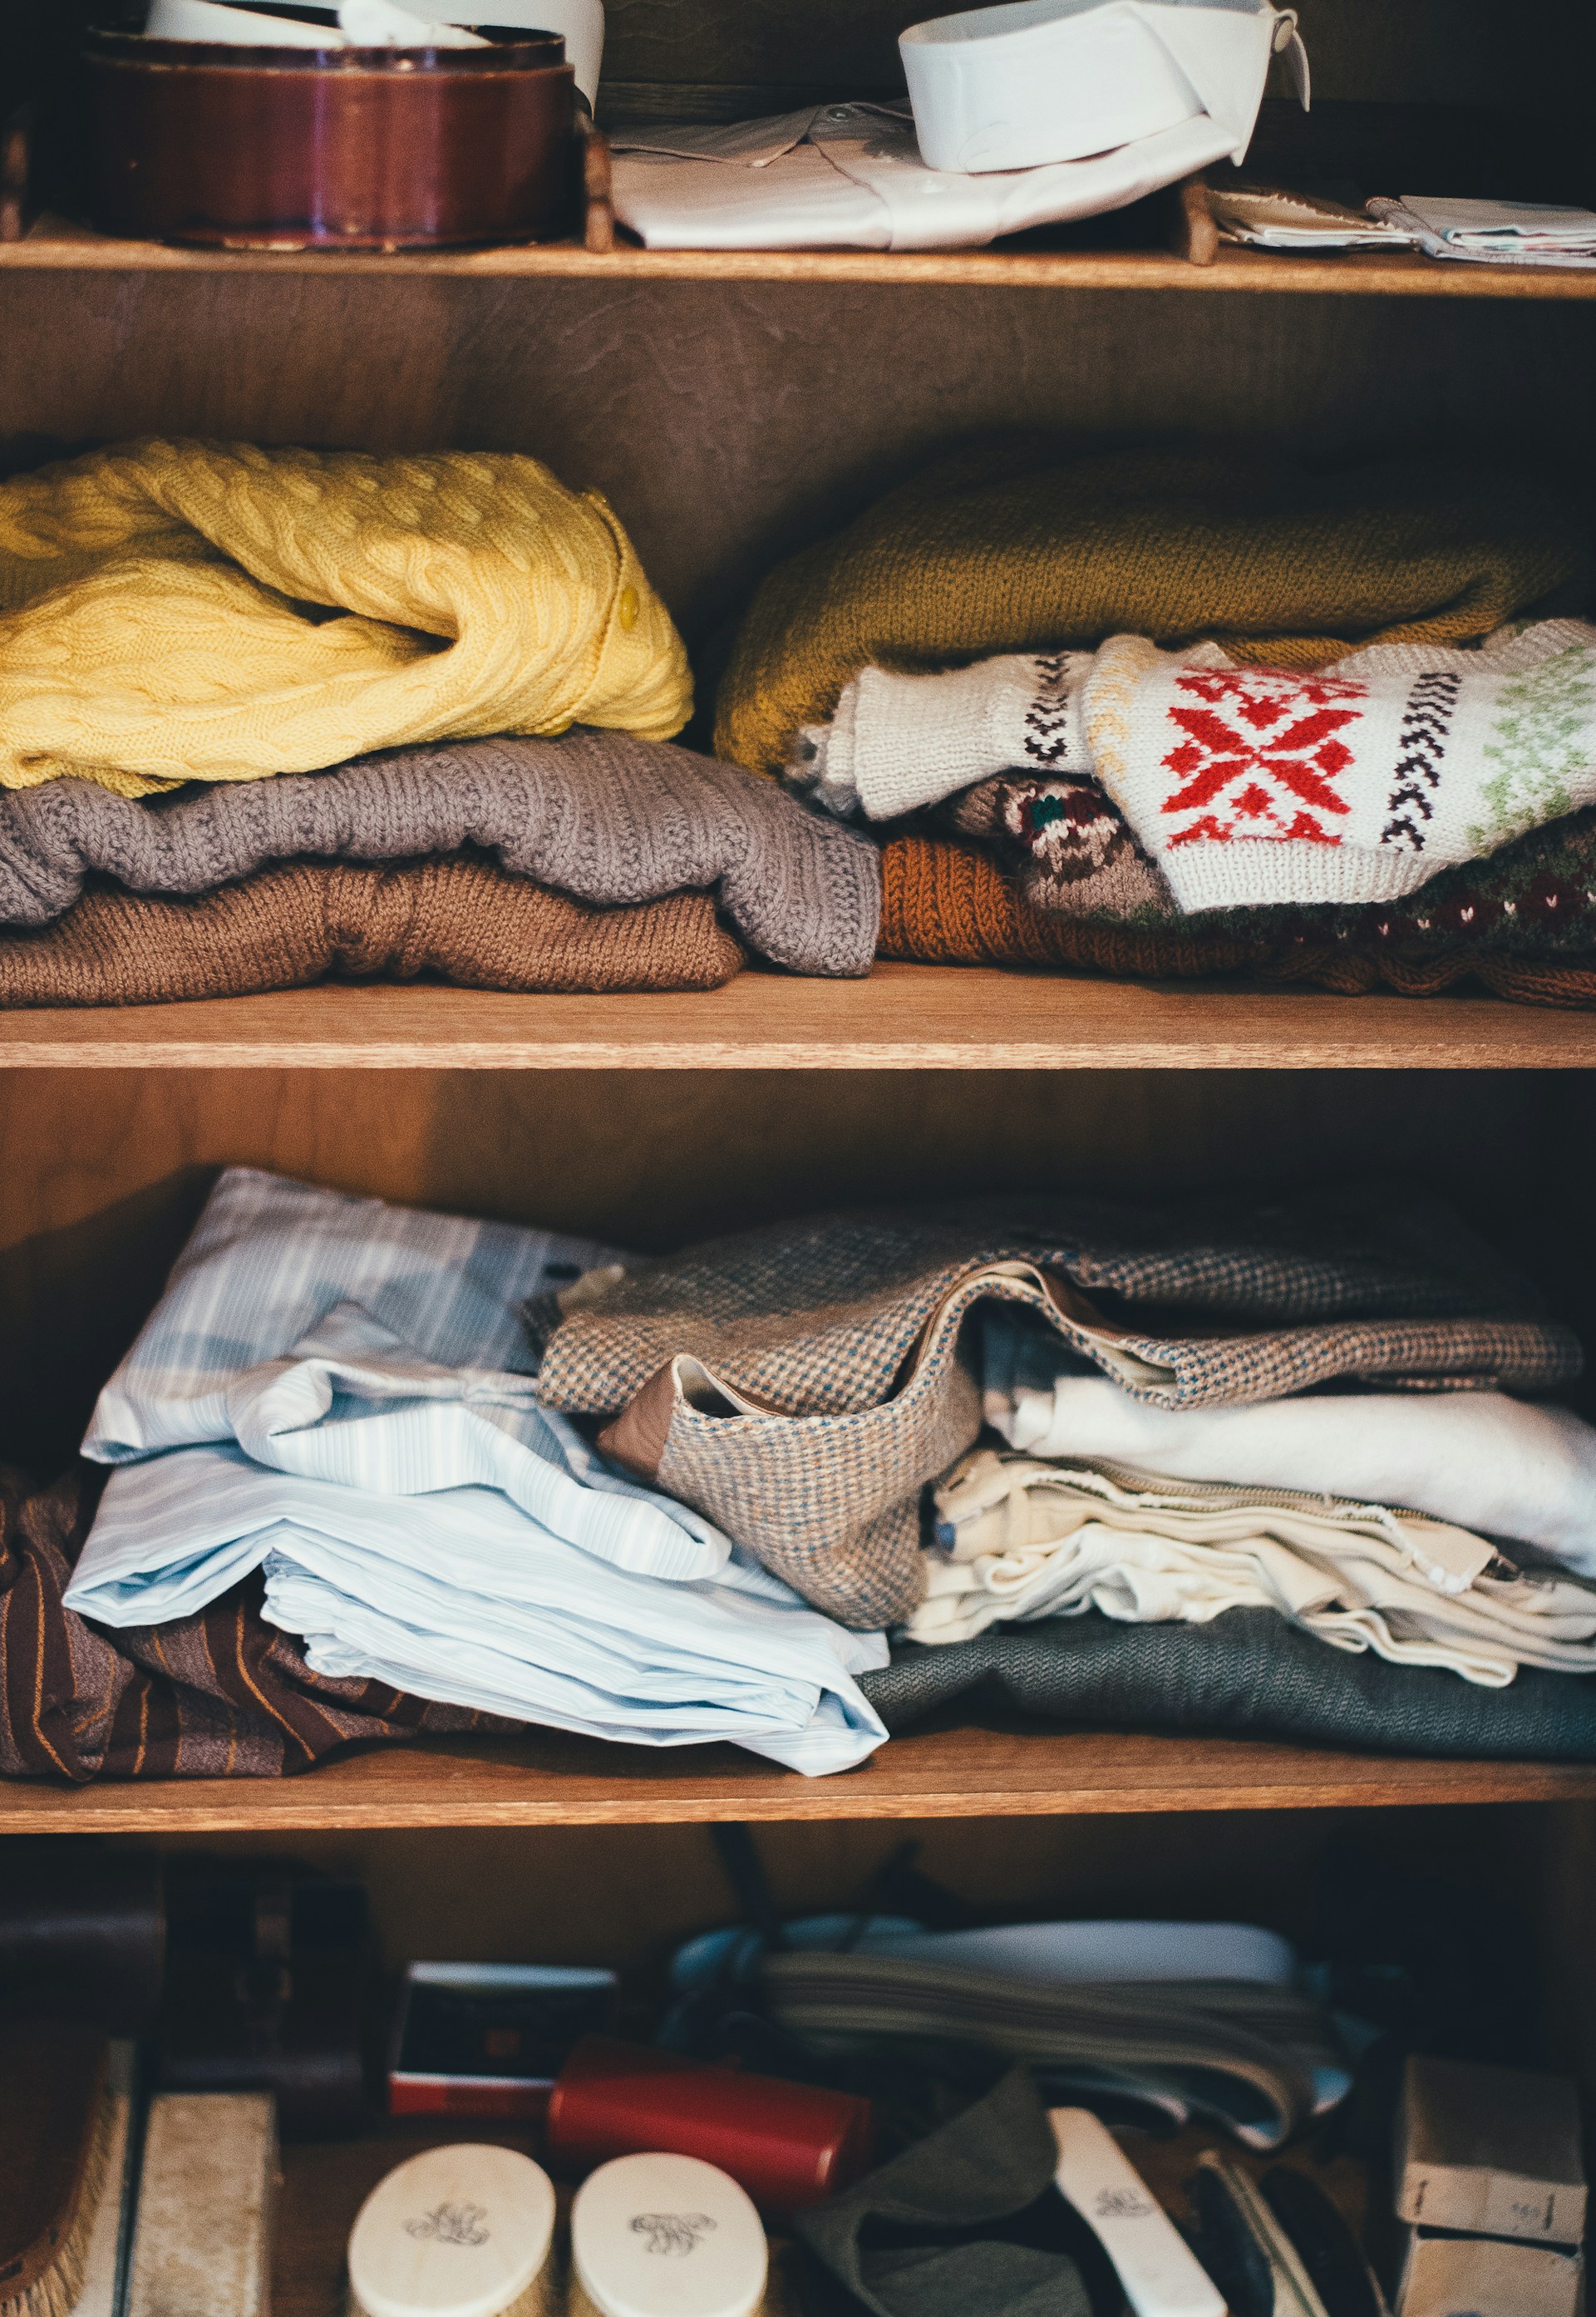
52,246
903,1017
547,1780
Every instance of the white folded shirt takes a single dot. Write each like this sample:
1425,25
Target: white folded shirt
1519,1470
329,1390
851,176
459,1595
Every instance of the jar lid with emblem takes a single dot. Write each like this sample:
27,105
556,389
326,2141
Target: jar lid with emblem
665,2236
458,2232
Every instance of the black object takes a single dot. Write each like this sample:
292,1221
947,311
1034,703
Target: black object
966,2224
1249,1672
490,2039
267,1989
1229,2251
1325,2245
83,1935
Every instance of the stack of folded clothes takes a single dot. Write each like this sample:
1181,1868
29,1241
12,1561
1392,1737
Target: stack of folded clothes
271,715
1180,714
803,1384
1293,1468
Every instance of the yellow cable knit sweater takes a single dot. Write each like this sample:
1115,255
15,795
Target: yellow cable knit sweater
204,610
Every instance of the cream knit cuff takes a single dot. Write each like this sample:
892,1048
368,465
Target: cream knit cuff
899,743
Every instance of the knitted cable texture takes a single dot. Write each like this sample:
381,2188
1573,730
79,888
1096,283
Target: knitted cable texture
283,928
601,815
162,611
1025,545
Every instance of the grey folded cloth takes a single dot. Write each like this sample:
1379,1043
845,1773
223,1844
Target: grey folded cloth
1244,2056
601,815
1249,1674
923,2236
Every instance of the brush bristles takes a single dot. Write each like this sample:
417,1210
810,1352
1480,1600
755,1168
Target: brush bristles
539,2300
54,2291
579,2301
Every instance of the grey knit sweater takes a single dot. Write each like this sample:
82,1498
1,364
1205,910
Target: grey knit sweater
602,816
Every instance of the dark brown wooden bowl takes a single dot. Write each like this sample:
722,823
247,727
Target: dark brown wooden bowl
332,148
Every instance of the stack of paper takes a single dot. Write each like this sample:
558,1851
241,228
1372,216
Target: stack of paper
1493,233
1268,217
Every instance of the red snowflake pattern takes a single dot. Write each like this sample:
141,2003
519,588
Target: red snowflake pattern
1261,753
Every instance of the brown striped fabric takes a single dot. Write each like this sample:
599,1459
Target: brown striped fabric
219,1696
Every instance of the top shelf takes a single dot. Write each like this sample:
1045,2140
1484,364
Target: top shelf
55,245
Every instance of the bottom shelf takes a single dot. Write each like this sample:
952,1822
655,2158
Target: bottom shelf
984,1771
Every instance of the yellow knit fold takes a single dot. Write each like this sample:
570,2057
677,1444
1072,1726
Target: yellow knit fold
178,611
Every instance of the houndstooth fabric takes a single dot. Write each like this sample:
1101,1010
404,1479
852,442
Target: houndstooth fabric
831,1503
816,1318
802,1383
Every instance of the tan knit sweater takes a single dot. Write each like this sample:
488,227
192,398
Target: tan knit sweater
462,920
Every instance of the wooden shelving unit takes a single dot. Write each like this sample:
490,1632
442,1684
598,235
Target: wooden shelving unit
902,1017
55,245
548,1780
733,406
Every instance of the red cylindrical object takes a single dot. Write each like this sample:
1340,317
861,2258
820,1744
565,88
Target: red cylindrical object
338,148
790,2145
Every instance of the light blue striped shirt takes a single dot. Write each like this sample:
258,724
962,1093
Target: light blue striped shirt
335,1391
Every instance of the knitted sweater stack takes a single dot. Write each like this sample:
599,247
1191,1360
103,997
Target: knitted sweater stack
1025,545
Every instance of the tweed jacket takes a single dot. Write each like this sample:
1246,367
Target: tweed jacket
801,1384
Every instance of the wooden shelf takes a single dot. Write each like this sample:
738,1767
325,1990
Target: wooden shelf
546,1779
902,1017
54,246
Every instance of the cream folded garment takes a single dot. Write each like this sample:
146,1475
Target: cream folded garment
1018,1539
1521,1470
852,176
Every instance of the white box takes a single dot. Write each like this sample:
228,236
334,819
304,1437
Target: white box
1488,2276
1494,2151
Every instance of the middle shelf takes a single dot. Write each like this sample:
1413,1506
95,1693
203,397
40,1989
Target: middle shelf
545,1780
911,1017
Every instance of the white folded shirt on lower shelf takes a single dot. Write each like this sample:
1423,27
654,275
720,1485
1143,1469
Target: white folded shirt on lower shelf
1524,1471
420,1520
